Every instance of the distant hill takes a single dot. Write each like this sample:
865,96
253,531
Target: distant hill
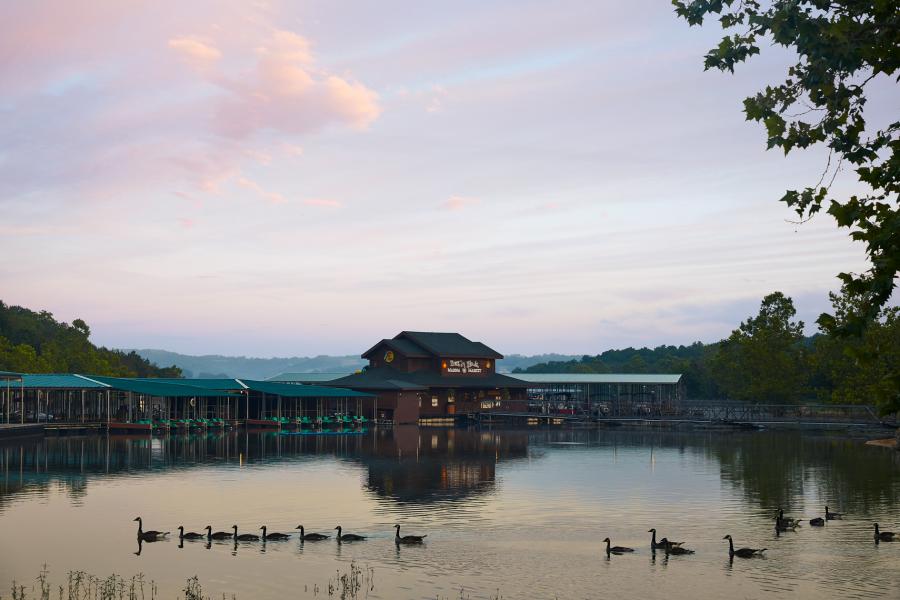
520,361
35,342
214,365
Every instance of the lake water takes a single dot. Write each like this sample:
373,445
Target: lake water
519,513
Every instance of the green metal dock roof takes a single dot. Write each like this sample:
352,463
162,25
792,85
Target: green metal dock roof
60,381
295,390
162,389
612,378
308,377
10,375
221,384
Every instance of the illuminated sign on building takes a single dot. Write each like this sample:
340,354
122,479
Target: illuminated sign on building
464,366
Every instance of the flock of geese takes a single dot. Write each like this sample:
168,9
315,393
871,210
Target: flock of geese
782,524
155,536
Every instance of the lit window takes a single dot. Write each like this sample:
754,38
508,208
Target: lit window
434,401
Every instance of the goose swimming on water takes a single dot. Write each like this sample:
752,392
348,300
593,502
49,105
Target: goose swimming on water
783,523
311,537
673,549
244,537
408,539
616,549
151,535
219,535
274,536
742,552
817,522
348,537
190,535
662,544
830,516
884,536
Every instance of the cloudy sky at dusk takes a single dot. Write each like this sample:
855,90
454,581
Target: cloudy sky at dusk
290,178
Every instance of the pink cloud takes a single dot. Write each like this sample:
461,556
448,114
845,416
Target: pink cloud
195,51
456,203
284,91
273,197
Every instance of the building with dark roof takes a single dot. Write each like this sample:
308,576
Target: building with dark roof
425,375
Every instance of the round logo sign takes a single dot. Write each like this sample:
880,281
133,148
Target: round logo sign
389,356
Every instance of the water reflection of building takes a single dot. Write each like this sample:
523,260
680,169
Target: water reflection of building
426,465
404,463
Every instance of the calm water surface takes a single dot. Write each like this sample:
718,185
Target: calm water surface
519,512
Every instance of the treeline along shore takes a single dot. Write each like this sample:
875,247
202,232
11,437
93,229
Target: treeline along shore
767,359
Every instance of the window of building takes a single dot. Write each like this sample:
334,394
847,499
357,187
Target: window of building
434,401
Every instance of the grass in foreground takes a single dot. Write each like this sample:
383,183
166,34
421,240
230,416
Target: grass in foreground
354,584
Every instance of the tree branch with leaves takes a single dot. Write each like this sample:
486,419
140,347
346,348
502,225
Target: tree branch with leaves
842,46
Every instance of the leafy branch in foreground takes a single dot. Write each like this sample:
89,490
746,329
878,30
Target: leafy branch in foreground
842,47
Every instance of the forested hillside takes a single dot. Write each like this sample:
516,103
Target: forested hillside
35,342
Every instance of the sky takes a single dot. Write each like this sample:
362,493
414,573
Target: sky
269,178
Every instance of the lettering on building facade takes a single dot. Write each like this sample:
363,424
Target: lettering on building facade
465,366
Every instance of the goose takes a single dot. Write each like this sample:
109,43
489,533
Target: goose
311,537
786,521
817,522
408,539
616,549
219,535
884,536
830,516
244,537
190,535
673,549
742,552
348,537
663,544
149,536
274,536
783,523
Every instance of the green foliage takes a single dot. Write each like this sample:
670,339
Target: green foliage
860,369
841,46
692,361
762,360
35,342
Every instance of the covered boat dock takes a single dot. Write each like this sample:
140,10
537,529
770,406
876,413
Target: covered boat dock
145,404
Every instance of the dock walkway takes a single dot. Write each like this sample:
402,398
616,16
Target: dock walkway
20,429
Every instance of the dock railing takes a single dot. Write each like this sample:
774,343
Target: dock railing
722,411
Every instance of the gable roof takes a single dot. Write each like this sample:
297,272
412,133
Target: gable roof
450,344
398,344
422,344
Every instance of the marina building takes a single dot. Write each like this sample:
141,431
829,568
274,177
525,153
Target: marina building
431,375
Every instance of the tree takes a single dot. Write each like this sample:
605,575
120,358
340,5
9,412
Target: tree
860,369
842,46
81,327
763,361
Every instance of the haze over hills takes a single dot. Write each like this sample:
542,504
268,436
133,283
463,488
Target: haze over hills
213,365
